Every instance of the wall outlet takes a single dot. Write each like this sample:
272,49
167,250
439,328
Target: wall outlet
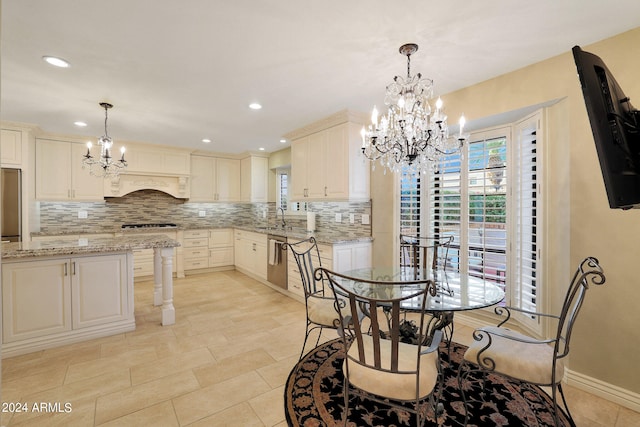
202,214
338,217
365,219
352,218
83,214
264,214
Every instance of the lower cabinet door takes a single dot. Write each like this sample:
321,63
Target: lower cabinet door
36,299
221,257
100,290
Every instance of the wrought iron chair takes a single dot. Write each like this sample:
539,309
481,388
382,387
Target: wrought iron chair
423,253
499,350
318,298
381,362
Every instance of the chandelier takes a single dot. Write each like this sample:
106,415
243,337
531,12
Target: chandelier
412,135
105,165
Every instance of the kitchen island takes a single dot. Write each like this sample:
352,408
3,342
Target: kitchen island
57,292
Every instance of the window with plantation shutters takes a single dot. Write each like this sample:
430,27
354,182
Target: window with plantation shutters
488,199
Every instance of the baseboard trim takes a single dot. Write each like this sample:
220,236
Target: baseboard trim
583,382
604,390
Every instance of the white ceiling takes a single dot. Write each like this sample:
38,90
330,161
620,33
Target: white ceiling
180,71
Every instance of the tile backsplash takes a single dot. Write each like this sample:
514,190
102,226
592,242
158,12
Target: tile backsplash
150,206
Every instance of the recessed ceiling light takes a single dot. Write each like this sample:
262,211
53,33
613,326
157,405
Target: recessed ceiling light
206,140
282,141
57,62
80,124
261,148
255,106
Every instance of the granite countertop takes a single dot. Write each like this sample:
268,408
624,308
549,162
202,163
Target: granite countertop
85,246
291,233
294,234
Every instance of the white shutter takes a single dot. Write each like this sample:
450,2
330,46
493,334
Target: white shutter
527,269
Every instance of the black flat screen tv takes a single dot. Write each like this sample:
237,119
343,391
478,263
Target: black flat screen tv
614,124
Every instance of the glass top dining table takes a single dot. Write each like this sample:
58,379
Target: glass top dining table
455,291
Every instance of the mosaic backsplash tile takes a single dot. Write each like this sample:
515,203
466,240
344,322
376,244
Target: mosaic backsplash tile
150,206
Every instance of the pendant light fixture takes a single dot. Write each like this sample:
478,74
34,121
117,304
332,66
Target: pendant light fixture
104,166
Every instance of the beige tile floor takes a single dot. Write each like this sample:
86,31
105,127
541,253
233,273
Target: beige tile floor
224,363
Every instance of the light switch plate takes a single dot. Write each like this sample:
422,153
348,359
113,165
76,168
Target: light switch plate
338,217
365,219
83,214
352,218
202,213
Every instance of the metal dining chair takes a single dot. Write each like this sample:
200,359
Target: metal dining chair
379,365
422,253
499,350
318,298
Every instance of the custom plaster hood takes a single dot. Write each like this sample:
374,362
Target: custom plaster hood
125,183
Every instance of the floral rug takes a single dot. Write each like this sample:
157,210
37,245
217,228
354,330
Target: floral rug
313,397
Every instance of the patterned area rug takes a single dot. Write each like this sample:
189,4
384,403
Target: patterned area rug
313,397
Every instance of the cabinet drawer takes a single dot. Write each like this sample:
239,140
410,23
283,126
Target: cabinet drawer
191,253
142,269
192,264
221,238
196,234
196,243
295,286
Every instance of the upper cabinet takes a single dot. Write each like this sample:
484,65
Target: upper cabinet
157,160
327,161
254,179
215,179
60,175
11,148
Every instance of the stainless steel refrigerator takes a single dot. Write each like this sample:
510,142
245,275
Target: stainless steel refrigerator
11,205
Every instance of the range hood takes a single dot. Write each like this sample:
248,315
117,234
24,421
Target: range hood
125,183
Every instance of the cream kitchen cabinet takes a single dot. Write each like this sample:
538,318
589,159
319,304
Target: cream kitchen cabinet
60,300
215,179
221,252
254,179
250,253
143,258
196,249
60,175
339,257
329,165
11,148
307,167
208,248
155,160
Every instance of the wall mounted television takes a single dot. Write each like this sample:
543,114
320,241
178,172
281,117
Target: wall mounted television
615,127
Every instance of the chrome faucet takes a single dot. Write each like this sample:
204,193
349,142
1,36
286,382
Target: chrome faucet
281,210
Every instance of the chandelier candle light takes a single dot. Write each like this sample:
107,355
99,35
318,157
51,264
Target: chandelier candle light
104,166
411,135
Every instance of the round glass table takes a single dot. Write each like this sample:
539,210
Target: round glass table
455,292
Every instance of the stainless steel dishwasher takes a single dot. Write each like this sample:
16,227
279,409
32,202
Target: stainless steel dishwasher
277,261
